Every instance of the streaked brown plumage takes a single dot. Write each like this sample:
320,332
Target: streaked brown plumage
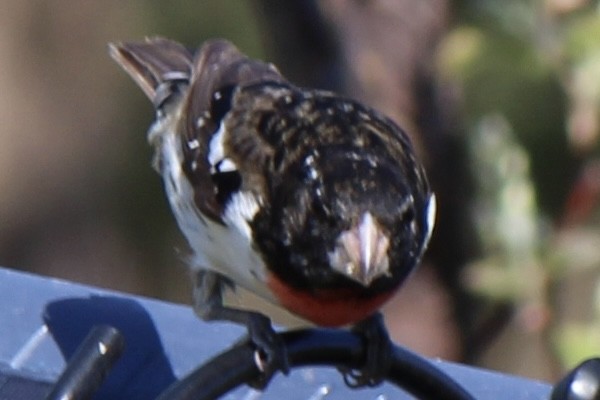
313,201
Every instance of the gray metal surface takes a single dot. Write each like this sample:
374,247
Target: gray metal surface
42,320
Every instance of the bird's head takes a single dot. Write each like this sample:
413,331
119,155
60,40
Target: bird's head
351,215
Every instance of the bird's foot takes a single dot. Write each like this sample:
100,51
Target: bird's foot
379,350
271,354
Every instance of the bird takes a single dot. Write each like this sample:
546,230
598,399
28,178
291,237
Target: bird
311,200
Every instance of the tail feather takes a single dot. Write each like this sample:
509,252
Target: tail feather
153,63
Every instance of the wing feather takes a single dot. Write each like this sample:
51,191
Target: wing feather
219,67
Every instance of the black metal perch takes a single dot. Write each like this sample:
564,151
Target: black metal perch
90,364
314,347
103,346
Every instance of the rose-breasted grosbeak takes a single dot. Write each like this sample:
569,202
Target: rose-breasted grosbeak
310,200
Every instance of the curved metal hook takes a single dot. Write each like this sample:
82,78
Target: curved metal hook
316,347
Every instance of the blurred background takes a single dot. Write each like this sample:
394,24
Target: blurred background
502,100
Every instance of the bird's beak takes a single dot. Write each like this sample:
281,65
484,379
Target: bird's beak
361,252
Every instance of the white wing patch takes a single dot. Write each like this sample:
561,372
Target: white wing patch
216,153
215,148
240,210
226,165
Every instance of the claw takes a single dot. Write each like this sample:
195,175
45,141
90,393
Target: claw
271,354
379,348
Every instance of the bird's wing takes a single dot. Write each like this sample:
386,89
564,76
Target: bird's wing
206,80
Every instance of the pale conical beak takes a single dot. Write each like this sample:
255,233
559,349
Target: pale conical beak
361,252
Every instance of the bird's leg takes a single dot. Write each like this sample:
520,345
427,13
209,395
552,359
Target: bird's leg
379,350
208,305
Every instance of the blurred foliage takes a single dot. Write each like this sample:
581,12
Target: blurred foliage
528,72
192,22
